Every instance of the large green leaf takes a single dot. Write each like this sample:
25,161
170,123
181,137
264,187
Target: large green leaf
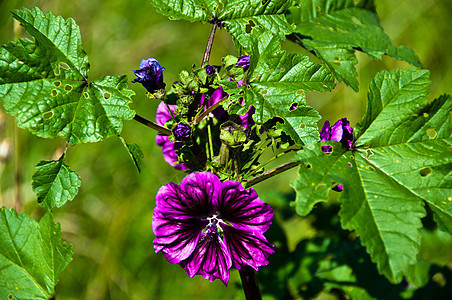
44,84
402,156
335,29
55,183
276,81
32,255
237,16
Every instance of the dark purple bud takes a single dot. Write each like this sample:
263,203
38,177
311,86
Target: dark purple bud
340,132
150,75
209,69
244,62
181,132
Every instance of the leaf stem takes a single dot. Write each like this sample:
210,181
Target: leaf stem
271,173
206,56
152,125
249,283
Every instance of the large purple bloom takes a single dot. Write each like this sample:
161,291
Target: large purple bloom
169,148
340,132
150,75
208,226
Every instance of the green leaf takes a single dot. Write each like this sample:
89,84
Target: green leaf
237,16
277,80
44,84
402,157
32,255
135,152
335,29
55,183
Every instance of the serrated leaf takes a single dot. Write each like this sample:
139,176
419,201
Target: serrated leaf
44,84
32,255
55,183
277,80
237,16
135,153
390,172
335,29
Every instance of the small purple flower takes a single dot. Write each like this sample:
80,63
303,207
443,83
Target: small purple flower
244,62
169,148
182,132
208,226
340,132
150,75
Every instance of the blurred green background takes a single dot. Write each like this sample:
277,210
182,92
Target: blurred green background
109,222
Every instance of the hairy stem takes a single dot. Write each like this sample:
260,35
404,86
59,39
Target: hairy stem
271,173
249,283
152,125
206,56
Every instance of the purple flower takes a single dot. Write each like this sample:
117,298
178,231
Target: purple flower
340,132
150,75
208,226
182,132
244,62
169,148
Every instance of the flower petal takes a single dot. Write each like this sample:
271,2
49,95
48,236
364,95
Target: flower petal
325,131
243,208
247,248
210,259
200,191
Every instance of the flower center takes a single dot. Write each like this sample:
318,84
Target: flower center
213,228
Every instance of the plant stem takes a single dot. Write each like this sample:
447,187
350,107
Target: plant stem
249,283
152,125
271,173
209,44
208,111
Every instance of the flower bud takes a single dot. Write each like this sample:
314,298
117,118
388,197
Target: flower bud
150,75
181,132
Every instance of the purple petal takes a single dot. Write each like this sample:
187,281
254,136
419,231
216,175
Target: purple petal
243,208
176,230
325,131
210,259
200,190
244,62
169,148
336,131
247,248
217,95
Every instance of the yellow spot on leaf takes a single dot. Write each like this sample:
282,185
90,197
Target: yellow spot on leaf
431,133
47,115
